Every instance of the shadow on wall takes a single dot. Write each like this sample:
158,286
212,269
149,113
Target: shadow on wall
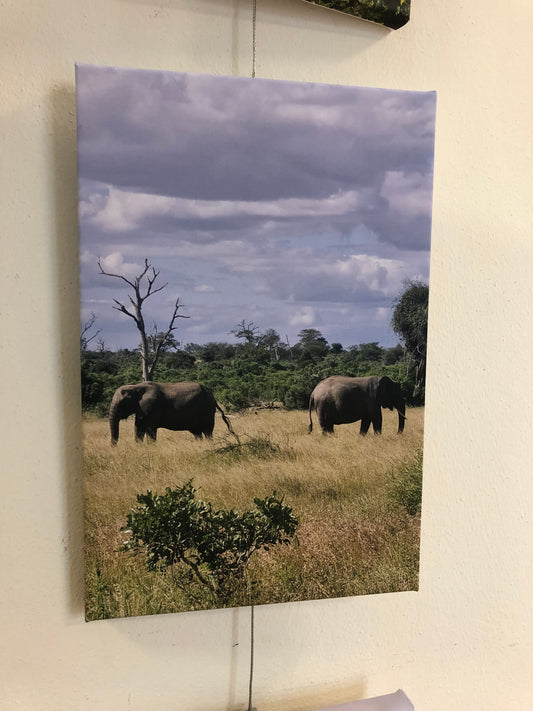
63,187
286,16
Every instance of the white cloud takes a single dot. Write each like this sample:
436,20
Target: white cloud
304,275
204,288
304,316
305,115
410,195
122,211
90,207
376,273
114,264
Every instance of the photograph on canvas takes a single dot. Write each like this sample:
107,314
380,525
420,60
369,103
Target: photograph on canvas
391,13
254,271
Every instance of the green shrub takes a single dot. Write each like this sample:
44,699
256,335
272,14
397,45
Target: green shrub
211,547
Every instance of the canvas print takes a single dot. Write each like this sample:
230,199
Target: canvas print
391,13
254,269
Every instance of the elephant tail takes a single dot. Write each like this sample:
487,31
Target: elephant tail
311,407
228,423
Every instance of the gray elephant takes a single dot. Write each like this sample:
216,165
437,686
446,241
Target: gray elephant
173,406
339,400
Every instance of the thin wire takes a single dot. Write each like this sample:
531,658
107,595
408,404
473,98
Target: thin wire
250,685
250,707
254,23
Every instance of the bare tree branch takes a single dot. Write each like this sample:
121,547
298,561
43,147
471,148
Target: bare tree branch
121,307
147,266
117,276
85,339
154,291
164,339
149,356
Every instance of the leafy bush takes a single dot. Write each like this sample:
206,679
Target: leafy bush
213,547
406,487
297,397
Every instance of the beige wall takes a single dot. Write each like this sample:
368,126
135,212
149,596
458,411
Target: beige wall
463,641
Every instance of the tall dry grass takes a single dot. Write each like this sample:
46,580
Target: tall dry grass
354,536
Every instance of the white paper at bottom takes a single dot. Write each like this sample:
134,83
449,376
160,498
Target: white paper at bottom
390,702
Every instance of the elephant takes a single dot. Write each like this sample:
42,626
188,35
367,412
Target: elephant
339,400
173,406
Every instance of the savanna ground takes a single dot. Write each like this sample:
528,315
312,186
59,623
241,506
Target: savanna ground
355,498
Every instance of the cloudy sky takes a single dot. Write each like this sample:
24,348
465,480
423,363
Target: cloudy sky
290,205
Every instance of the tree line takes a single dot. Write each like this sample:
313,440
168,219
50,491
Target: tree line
260,369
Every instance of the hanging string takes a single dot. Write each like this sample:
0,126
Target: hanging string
254,23
250,707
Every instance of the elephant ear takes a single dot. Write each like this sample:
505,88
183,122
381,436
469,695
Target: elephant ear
132,395
133,392
385,394
139,391
145,395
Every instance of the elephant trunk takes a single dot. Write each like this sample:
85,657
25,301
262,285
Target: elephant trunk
401,416
114,420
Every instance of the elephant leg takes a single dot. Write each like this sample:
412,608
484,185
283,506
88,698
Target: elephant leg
365,424
325,419
151,433
139,430
377,421
208,426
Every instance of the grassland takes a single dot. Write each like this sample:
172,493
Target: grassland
358,531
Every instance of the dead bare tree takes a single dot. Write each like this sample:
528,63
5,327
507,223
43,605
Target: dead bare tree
249,332
85,338
143,287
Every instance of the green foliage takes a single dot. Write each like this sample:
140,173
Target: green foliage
410,316
406,487
298,388
257,371
213,546
393,355
410,322
392,13
244,377
312,345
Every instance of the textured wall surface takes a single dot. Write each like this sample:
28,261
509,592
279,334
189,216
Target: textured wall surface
464,640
